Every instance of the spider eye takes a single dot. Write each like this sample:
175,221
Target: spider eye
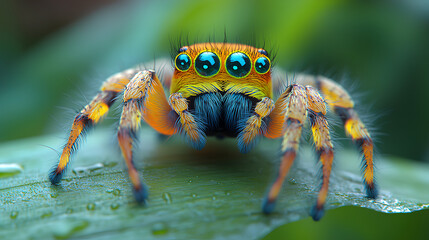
262,65
182,49
238,65
207,64
183,62
262,51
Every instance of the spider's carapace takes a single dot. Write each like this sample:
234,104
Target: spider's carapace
226,90
234,71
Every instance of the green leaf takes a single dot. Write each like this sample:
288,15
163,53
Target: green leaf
214,193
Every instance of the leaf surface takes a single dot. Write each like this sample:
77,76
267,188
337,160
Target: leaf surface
215,193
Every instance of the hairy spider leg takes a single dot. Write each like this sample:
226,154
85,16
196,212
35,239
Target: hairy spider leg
323,144
342,104
253,126
187,124
360,135
144,98
287,119
90,115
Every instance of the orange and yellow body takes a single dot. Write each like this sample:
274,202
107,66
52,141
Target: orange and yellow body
190,83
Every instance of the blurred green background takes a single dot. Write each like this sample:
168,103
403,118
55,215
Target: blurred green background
55,54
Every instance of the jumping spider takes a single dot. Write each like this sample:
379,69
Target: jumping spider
223,89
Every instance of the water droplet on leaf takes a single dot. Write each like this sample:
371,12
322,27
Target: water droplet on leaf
46,215
88,169
167,198
116,192
114,206
90,206
159,229
13,214
110,164
292,181
10,169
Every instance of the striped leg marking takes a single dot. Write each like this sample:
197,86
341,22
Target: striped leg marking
246,138
291,111
188,124
143,94
356,130
323,144
341,102
90,115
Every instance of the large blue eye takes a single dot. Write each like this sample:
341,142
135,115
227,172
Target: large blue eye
207,64
183,62
238,65
262,65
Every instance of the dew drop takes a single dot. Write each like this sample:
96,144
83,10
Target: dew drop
110,164
116,192
46,215
159,229
10,169
194,195
90,206
214,198
54,195
227,193
87,169
167,198
13,214
66,228
114,206
292,181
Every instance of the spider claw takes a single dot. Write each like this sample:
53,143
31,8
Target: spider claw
317,212
268,206
371,191
141,194
55,176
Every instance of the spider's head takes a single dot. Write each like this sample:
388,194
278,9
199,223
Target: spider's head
222,67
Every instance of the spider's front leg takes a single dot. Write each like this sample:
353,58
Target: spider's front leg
144,98
91,114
